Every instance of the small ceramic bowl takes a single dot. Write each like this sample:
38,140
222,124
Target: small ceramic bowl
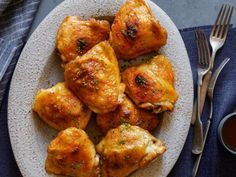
220,132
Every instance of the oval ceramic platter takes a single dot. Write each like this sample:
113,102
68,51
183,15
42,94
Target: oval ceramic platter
39,67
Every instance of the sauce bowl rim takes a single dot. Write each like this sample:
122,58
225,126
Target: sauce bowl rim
220,127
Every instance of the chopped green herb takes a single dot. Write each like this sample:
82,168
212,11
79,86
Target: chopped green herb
76,165
123,120
95,82
126,125
127,157
140,81
121,142
81,44
131,31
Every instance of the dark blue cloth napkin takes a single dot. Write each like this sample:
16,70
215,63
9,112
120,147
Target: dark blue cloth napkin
216,162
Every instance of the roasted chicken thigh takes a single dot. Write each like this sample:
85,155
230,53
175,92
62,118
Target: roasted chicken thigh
151,85
127,112
95,78
72,153
75,36
60,108
127,148
135,31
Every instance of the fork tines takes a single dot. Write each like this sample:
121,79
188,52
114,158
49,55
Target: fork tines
202,48
220,28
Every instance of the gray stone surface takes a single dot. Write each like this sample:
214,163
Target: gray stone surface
190,13
184,13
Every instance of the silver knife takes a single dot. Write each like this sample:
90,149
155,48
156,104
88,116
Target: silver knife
210,93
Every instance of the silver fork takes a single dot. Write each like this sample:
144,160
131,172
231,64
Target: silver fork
217,39
210,95
220,30
203,68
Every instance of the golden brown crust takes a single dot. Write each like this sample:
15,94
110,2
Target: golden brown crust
126,149
127,112
60,108
72,153
75,36
151,85
148,120
95,78
135,31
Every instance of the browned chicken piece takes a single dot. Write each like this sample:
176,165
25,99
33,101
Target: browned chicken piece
75,36
127,148
60,108
127,112
72,153
151,85
95,78
135,31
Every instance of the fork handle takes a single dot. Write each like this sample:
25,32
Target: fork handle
205,84
198,130
197,138
213,55
199,157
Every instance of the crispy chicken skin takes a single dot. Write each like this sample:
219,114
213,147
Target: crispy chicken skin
151,85
95,78
72,153
135,31
127,112
75,36
127,148
60,108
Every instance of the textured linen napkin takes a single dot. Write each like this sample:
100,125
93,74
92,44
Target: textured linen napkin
15,20
216,162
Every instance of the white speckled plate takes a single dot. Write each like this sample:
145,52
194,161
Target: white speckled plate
39,67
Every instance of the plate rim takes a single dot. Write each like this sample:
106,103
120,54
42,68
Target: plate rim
13,82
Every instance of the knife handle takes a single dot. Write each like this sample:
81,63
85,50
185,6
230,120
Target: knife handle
205,84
